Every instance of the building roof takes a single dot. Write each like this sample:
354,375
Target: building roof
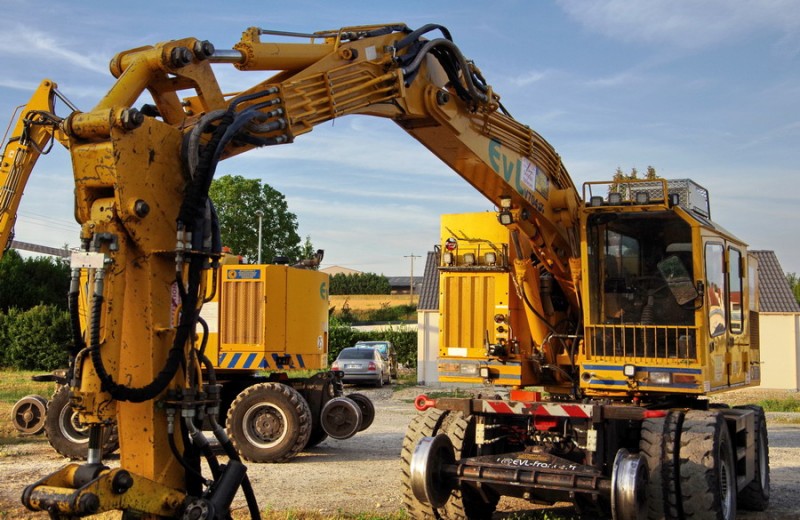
774,293
337,269
404,281
429,295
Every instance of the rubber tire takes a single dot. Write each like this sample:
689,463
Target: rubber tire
651,446
284,404
426,424
659,446
755,496
317,435
379,382
465,502
367,409
707,466
64,437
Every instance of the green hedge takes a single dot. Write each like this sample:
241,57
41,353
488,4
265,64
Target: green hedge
34,339
343,335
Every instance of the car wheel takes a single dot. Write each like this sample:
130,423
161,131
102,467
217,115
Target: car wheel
67,435
379,384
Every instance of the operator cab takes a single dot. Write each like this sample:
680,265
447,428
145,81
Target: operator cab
661,281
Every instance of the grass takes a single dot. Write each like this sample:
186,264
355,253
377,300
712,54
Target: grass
780,405
14,385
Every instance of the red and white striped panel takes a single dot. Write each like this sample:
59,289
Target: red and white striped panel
583,411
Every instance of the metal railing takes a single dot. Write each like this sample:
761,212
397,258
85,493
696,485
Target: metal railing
627,342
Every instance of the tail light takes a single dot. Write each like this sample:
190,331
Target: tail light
372,366
335,365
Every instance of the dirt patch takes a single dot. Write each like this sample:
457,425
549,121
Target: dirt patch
362,474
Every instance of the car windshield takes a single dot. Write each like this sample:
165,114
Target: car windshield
380,347
357,353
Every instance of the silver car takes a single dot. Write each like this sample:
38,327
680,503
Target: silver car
362,365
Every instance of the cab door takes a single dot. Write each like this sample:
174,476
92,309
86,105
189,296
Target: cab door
716,313
738,340
725,304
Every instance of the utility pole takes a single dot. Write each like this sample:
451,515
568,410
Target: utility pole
260,215
412,256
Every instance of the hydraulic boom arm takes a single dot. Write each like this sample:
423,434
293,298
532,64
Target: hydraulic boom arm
148,229
32,136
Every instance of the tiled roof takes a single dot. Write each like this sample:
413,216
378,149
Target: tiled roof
429,297
404,281
774,293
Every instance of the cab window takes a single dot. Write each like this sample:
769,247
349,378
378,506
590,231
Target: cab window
735,290
715,288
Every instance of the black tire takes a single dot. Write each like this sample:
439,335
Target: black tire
367,409
67,435
755,496
465,502
379,382
659,446
651,446
426,424
707,471
269,422
317,435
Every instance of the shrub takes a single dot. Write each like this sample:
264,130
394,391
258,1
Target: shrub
36,339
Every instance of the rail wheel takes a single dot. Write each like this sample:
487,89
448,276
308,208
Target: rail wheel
269,422
67,434
367,410
426,424
28,414
465,501
341,418
755,496
707,472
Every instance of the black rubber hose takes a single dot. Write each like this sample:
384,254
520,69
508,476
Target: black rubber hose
414,35
227,445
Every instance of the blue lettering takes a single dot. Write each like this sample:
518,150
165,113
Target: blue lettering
494,153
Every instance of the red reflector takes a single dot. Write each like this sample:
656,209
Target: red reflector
683,378
654,414
524,395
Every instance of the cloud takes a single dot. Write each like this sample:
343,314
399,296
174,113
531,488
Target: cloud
687,24
40,45
529,78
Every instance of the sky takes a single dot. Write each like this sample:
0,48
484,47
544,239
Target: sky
700,89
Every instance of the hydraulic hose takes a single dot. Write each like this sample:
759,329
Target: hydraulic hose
222,437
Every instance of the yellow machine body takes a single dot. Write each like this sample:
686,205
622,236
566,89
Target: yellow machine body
268,317
635,313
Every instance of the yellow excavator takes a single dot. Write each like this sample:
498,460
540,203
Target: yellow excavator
623,398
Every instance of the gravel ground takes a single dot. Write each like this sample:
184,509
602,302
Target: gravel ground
362,474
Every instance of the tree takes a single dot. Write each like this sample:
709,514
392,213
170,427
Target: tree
794,285
25,283
620,179
359,283
237,201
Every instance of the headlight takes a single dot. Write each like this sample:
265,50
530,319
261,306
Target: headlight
660,378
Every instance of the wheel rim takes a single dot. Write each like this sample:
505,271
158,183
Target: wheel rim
264,425
725,487
763,467
28,414
71,426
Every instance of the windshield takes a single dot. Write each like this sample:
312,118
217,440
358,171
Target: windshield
380,347
640,269
357,353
